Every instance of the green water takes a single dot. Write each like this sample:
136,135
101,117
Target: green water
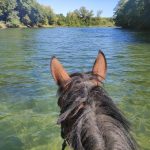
28,102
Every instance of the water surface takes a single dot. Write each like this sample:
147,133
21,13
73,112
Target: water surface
28,102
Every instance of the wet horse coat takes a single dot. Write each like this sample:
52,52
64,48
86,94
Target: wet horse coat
89,119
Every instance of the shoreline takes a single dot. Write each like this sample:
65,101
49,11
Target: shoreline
50,26
4,26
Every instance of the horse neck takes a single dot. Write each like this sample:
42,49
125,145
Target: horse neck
94,129
85,133
91,133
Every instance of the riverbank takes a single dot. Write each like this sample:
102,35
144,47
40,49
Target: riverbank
5,26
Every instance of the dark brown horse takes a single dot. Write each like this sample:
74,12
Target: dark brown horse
89,119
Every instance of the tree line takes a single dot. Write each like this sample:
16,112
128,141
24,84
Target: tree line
83,17
127,14
16,13
134,14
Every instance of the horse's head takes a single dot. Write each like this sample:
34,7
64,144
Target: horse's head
74,89
87,113
77,85
62,78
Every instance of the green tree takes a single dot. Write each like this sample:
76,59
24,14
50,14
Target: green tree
27,12
84,15
26,20
133,14
72,19
13,20
6,8
60,20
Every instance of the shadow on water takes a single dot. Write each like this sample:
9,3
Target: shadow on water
29,111
138,36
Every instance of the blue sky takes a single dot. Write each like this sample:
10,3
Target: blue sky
64,6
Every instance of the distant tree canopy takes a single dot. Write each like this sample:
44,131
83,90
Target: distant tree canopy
16,13
83,17
133,14
27,12
79,17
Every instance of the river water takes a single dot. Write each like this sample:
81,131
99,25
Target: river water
28,102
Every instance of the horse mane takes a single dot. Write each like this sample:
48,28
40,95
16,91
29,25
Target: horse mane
81,101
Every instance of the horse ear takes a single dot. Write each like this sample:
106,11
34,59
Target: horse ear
100,66
58,72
